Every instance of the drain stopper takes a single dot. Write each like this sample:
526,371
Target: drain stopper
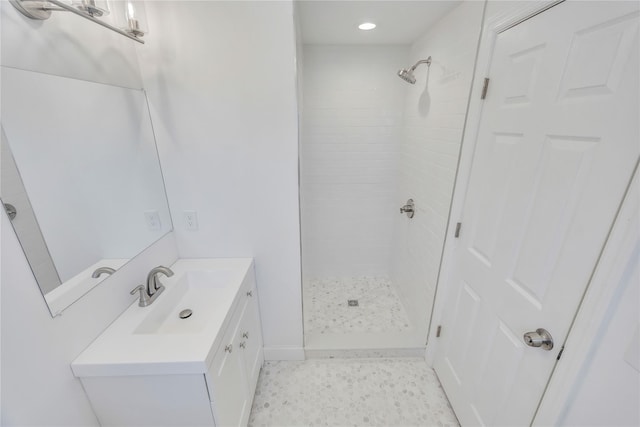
185,313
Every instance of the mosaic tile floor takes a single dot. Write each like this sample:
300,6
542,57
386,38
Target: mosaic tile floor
367,392
327,311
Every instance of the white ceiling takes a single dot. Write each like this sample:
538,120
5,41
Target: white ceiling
398,22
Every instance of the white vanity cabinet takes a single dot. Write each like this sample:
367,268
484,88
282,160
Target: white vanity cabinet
233,374
168,376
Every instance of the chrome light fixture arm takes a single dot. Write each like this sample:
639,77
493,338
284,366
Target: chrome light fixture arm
38,9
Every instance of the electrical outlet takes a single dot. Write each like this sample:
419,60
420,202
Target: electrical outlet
190,220
152,218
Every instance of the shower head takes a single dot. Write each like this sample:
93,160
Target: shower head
407,75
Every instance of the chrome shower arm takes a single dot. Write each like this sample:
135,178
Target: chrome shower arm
422,61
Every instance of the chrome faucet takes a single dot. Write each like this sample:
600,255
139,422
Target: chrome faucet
154,288
99,271
153,283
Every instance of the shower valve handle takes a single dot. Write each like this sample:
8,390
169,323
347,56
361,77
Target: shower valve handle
409,208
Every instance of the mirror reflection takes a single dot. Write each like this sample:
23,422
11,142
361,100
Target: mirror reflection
81,179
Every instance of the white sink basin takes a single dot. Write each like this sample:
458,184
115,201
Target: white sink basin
154,339
195,290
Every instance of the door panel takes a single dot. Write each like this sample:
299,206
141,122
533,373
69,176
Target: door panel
500,371
556,147
494,187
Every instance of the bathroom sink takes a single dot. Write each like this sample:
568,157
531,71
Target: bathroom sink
194,290
155,339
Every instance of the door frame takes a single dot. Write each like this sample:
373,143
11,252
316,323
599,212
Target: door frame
599,292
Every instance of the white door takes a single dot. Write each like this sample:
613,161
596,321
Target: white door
556,148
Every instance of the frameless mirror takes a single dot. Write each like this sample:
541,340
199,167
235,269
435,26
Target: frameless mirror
81,181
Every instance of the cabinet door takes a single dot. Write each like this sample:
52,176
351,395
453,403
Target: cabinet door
227,382
251,341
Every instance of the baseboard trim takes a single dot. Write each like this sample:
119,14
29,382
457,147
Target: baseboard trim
365,353
283,353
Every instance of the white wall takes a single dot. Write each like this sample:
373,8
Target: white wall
221,83
353,105
432,134
299,72
38,388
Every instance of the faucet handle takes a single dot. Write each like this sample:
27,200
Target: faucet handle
144,297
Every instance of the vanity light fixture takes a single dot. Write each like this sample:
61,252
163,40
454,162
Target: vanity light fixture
95,8
135,18
366,26
88,9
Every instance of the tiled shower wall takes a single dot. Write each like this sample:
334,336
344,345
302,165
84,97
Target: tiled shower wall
434,116
353,105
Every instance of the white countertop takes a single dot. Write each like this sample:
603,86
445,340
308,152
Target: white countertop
122,350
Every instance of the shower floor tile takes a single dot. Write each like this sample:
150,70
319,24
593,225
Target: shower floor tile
378,308
373,392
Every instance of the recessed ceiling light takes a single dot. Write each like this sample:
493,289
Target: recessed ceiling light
367,26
